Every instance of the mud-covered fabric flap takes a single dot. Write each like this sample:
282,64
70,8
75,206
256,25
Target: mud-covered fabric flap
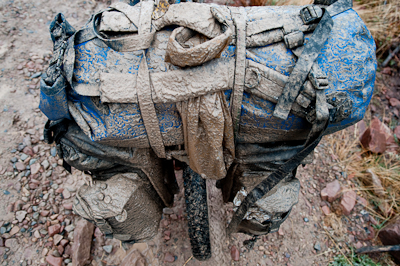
53,99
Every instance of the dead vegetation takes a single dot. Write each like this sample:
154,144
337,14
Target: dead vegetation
377,176
382,18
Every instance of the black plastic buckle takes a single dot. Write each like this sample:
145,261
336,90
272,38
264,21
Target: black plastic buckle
310,14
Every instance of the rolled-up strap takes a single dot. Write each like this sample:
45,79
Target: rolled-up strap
147,109
239,18
197,55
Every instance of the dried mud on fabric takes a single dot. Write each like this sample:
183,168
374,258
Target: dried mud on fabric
36,223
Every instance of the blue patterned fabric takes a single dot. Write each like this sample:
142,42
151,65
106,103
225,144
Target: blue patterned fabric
348,59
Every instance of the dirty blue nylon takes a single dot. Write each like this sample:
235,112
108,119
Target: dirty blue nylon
348,59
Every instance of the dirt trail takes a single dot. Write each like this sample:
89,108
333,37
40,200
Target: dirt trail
25,47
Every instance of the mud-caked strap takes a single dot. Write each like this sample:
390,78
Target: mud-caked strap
239,18
135,42
147,109
312,49
272,180
303,67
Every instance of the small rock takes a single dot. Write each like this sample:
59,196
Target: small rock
24,156
348,201
67,206
168,211
331,191
37,234
54,261
281,232
69,228
57,238
390,235
378,137
394,102
326,210
45,251
108,248
11,243
64,242
20,166
358,245
235,253
35,168
54,229
20,215
66,194
14,230
317,246
376,183
45,164
168,257
306,219
82,242
53,151
44,213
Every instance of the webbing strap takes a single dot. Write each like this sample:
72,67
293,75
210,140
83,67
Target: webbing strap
307,58
147,110
239,18
303,67
136,42
272,180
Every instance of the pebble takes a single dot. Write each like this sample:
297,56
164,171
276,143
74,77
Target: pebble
57,238
24,156
14,230
45,164
54,229
168,211
169,257
235,253
66,194
53,151
108,248
6,192
20,215
306,219
69,228
20,166
317,246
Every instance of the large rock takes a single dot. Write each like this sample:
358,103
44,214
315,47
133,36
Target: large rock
331,191
82,243
348,201
378,138
390,235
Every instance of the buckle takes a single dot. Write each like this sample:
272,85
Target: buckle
310,14
294,39
318,79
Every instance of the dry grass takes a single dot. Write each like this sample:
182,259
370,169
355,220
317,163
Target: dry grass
359,163
382,18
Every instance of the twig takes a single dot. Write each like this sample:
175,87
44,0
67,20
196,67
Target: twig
334,242
387,60
378,249
191,257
